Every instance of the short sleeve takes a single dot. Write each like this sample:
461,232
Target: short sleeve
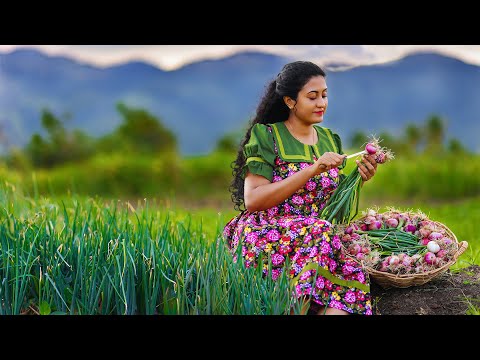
259,152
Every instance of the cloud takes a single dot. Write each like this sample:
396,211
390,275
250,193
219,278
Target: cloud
170,57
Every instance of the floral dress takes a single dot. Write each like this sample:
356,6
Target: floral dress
318,266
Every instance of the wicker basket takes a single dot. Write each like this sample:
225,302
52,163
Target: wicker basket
387,280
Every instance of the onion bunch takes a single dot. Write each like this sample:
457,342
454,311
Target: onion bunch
342,206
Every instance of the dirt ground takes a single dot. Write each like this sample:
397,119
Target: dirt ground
452,293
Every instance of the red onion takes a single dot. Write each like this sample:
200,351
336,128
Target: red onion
424,232
346,238
375,225
430,258
392,223
441,253
435,235
447,241
351,228
425,241
381,158
410,228
369,219
394,260
371,149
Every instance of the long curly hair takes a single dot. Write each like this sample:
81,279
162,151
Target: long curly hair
271,109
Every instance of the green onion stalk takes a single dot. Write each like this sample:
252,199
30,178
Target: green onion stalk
346,197
389,241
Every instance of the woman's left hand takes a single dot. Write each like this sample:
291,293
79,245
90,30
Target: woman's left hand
367,168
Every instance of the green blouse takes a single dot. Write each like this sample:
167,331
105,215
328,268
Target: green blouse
260,152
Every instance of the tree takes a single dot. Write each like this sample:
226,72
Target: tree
230,142
141,131
435,132
456,147
413,136
59,146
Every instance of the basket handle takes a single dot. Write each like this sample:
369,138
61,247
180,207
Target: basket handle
463,246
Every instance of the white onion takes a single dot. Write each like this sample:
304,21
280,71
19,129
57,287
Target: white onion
433,247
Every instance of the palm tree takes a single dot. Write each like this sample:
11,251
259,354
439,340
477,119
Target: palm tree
413,136
435,132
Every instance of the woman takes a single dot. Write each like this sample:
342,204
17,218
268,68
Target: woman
286,169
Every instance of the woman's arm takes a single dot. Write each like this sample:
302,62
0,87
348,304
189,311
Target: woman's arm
261,194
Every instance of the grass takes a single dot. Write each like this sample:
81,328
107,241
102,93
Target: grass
92,255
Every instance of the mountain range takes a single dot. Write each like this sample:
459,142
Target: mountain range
202,101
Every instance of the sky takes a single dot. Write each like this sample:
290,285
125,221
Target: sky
171,57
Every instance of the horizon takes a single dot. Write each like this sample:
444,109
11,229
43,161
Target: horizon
173,57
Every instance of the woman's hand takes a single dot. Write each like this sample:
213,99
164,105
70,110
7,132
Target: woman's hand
367,168
327,161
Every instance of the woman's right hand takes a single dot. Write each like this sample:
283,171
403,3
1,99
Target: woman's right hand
327,161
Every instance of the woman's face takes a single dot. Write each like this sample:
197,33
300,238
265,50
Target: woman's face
311,101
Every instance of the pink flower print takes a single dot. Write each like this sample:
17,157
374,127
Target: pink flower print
325,182
287,208
244,250
360,295
333,172
311,185
332,265
277,259
298,289
297,200
252,237
277,178
273,235
273,211
320,283
261,243
308,198
276,273
307,238
347,269
313,252
361,277
336,242
368,312
304,165
350,297
309,221
336,304
306,275
308,290
284,249
328,284
325,248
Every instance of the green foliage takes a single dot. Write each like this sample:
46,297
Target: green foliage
435,133
60,146
358,139
140,131
74,255
230,142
